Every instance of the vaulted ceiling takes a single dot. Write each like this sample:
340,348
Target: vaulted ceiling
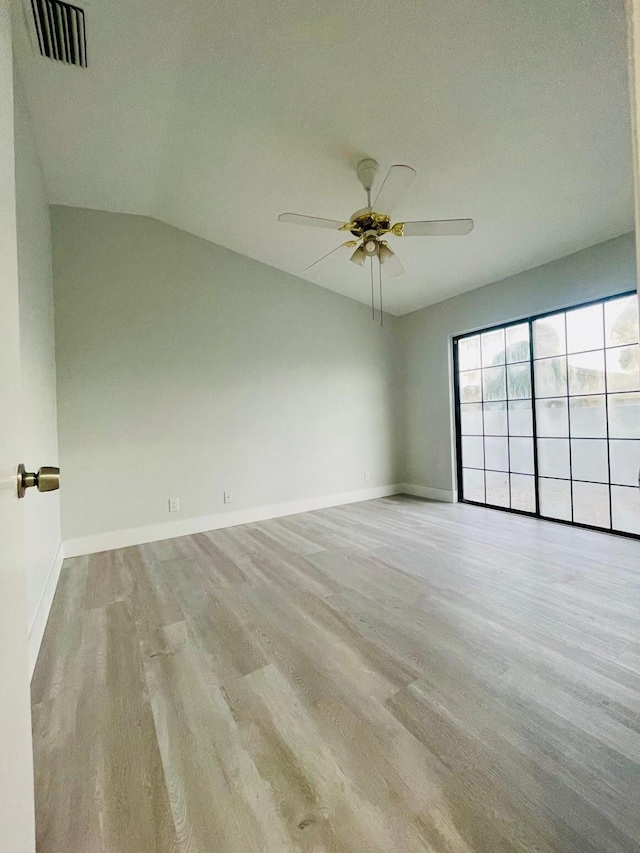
217,116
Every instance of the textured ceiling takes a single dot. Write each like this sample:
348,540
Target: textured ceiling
217,116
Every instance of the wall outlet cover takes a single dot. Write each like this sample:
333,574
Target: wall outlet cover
174,504
228,497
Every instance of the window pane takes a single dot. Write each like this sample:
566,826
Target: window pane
496,453
472,451
519,381
518,343
591,504
523,492
621,321
586,373
470,386
551,377
589,460
521,455
585,328
625,462
473,485
493,348
555,498
625,504
552,417
623,369
495,418
520,418
471,418
497,488
588,417
553,458
494,386
624,415
469,353
549,336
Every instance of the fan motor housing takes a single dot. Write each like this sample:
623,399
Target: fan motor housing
368,220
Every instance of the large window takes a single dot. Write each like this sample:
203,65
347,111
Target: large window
548,416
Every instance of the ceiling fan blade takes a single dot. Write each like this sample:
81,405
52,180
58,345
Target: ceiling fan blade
389,261
317,266
437,228
394,186
314,221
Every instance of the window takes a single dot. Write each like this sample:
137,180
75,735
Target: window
548,416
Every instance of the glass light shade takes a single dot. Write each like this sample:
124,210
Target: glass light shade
384,253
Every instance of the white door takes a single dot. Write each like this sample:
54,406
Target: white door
17,833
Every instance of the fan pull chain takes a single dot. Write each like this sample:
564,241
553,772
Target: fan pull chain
380,283
373,307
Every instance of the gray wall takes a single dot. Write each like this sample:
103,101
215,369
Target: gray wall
38,372
427,438
185,370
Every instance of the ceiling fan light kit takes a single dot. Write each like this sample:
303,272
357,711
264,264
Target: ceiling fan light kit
369,225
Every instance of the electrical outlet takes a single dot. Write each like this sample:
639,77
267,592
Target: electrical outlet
174,504
228,497
367,476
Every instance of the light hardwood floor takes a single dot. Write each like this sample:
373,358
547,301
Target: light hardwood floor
385,677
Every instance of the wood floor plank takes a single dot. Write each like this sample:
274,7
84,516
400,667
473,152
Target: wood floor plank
306,638
214,626
342,694
523,774
152,603
108,579
100,783
394,676
221,569
218,799
286,538
61,648
322,808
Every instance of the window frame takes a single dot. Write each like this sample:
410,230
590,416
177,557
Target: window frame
530,320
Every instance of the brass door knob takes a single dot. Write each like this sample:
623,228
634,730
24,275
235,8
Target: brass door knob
47,479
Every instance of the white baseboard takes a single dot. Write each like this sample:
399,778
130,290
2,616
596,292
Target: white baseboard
432,494
39,621
184,527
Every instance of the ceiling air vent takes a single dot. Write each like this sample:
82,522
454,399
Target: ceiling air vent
61,31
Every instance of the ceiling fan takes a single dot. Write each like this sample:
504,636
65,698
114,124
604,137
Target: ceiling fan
370,224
